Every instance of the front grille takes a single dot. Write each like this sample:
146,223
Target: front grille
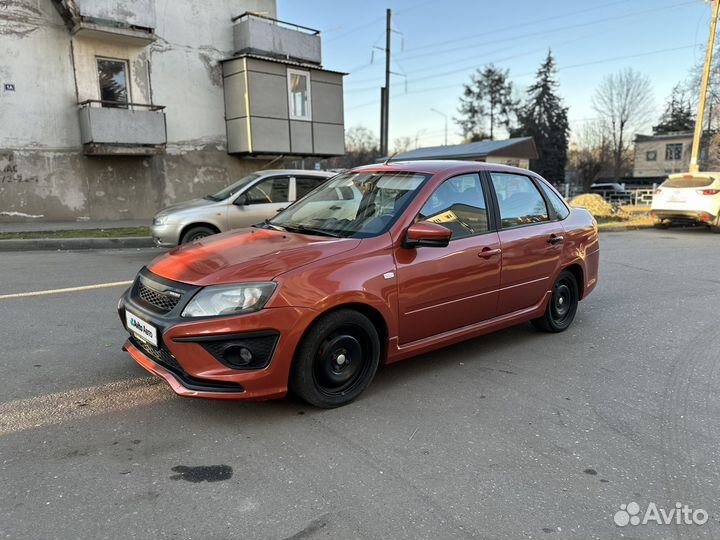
161,355
161,301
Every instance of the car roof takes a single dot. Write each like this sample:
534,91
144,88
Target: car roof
438,166
299,172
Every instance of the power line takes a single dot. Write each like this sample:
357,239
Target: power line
572,66
435,52
512,38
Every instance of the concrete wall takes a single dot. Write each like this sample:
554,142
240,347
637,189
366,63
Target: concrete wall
660,167
42,169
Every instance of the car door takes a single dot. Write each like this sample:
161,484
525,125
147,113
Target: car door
444,288
259,202
530,240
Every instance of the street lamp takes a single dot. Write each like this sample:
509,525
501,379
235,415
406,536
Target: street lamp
445,117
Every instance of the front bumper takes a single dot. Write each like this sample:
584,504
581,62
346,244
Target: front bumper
165,235
189,366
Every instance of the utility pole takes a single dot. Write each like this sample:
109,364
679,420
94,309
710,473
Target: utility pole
385,107
445,117
694,167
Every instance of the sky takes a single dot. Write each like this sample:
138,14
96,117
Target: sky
438,44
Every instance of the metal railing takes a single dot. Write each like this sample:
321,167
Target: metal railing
120,105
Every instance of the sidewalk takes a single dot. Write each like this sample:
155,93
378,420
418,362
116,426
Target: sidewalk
68,235
32,226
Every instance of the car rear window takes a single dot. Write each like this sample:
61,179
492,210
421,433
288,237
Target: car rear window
688,182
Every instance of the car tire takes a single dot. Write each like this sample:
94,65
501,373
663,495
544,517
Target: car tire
665,224
336,360
195,233
715,229
562,306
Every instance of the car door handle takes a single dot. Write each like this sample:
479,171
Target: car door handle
488,252
556,239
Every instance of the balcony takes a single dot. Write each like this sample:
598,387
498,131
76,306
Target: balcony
131,22
124,129
263,36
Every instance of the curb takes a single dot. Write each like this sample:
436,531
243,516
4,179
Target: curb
70,244
626,228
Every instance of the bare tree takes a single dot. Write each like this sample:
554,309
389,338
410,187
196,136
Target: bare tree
624,102
591,154
403,144
361,148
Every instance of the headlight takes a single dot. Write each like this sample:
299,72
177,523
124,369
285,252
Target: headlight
229,299
161,220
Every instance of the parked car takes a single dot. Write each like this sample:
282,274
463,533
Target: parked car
613,192
688,199
380,264
250,200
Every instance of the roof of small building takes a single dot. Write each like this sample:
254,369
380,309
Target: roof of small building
664,136
519,147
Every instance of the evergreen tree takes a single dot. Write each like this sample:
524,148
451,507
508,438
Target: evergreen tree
544,118
486,99
678,115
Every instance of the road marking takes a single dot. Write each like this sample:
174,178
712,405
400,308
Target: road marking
55,409
68,289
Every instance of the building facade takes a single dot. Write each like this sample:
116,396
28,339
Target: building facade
112,109
657,156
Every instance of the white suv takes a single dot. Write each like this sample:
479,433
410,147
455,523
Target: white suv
688,198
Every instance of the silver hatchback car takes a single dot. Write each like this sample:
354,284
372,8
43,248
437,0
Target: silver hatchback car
250,200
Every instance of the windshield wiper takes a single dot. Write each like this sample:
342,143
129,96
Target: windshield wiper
211,198
302,229
267,225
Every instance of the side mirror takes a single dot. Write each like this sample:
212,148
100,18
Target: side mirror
427,234
240,200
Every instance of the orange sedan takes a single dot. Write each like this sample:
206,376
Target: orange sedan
378,265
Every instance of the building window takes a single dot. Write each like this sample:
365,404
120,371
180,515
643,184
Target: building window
113,77
651,155
673,152
299,94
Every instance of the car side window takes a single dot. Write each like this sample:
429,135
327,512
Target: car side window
303,186
458,204
519,200
270,190
561,209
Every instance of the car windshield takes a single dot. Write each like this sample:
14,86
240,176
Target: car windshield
232,189
355,205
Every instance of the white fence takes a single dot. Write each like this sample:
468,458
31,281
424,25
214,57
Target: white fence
638,197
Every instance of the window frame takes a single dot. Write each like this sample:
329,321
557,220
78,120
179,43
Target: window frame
244,194
674,145
487,196
552,215
128,79
303,73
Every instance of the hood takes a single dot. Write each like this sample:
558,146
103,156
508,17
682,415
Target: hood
187,205
245,255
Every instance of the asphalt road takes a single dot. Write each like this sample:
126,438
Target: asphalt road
514,435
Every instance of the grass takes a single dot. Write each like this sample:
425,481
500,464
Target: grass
77,233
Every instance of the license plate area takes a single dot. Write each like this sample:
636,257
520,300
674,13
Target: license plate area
140,328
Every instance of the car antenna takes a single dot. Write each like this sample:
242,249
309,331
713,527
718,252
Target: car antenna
390,158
